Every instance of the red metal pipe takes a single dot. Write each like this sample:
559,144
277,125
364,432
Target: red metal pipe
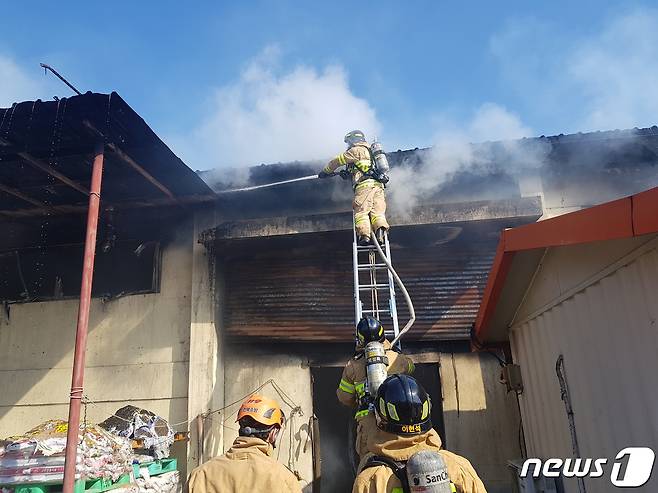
83,322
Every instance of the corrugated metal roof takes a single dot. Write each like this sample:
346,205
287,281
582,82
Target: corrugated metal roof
60,136
300,286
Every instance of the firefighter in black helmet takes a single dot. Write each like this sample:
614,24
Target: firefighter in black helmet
404,427
369,329
352,390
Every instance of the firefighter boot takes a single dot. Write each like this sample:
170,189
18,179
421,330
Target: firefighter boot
363,240
380,233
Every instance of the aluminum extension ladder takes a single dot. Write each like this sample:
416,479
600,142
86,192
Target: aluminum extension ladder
374,286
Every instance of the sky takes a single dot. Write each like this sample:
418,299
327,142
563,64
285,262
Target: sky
229,84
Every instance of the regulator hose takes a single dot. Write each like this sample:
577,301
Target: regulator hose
398,281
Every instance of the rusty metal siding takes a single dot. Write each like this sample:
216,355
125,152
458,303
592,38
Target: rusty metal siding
608,335
305,293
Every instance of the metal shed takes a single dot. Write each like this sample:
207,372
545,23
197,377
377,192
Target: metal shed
577,295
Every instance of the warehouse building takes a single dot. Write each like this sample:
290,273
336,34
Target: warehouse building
201,297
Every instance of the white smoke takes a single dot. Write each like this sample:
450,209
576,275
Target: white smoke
268,115
599,81
15,83
453,151
617,72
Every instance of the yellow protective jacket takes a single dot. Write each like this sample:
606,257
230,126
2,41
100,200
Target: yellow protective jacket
357,161
352,383
380,479
246,468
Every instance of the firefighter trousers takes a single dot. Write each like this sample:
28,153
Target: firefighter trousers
366,429
369,209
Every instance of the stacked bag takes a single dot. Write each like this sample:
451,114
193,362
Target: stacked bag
38,455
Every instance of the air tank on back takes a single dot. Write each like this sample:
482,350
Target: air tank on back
376,366
427,472
378,154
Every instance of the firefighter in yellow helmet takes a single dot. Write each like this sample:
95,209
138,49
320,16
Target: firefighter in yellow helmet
351,391
248,466
369,200
404,428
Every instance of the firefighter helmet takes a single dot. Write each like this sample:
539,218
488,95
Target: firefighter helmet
402,406
262,410
354,137
369,329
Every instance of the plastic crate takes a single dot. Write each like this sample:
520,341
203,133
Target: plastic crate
97,485
156,467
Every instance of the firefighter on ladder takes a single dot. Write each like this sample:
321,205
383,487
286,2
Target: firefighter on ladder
369,200
351,391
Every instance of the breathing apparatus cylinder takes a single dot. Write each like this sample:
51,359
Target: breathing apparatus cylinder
376,366
428,472
380,161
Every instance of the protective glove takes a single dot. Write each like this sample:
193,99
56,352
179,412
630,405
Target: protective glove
324,174
345,175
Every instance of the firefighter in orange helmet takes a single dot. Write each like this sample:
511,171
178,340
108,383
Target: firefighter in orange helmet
369,200
351,391
248,466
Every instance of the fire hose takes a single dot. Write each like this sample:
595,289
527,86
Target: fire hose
267,185
398,281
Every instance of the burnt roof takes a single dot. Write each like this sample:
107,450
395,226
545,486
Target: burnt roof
46,150
615,147
623,160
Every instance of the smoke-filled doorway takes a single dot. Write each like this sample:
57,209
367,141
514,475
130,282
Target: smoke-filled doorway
336,439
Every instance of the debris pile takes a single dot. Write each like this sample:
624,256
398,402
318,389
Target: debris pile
38,455
142,425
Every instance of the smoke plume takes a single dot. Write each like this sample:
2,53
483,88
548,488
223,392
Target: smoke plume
453,152
271,115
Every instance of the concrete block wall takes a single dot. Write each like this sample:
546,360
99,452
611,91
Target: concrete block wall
137,353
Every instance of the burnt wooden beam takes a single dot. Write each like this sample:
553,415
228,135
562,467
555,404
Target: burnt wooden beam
82,208
123,156
46,168
425,214
148,176
22,196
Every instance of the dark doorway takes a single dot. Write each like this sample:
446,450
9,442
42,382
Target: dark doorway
335,420
428,375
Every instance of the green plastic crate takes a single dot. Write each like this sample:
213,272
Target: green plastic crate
98,485
156,468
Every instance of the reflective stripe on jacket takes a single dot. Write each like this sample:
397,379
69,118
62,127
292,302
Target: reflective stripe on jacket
357,161
352,386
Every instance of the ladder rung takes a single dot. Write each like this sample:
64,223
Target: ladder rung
371,266
366,248
373,286
374,311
